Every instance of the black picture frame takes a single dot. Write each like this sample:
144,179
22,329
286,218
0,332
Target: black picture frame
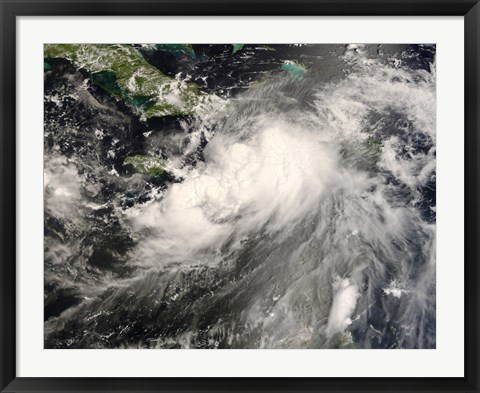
10,9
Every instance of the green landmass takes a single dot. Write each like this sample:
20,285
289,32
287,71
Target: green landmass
148,165
122,71
269,48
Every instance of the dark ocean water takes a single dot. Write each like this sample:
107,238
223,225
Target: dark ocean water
296,209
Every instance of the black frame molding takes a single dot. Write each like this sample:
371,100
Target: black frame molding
10,9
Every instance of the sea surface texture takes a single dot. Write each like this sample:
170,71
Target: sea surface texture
239,196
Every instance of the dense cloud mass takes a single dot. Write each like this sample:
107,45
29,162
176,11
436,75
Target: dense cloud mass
278,196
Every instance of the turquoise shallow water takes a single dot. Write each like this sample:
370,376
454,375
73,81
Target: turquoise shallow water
295,70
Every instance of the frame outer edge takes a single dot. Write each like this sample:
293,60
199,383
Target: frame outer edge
471,214
8,11
241,7
7,197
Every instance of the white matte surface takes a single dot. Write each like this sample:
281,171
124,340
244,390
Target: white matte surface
445,361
